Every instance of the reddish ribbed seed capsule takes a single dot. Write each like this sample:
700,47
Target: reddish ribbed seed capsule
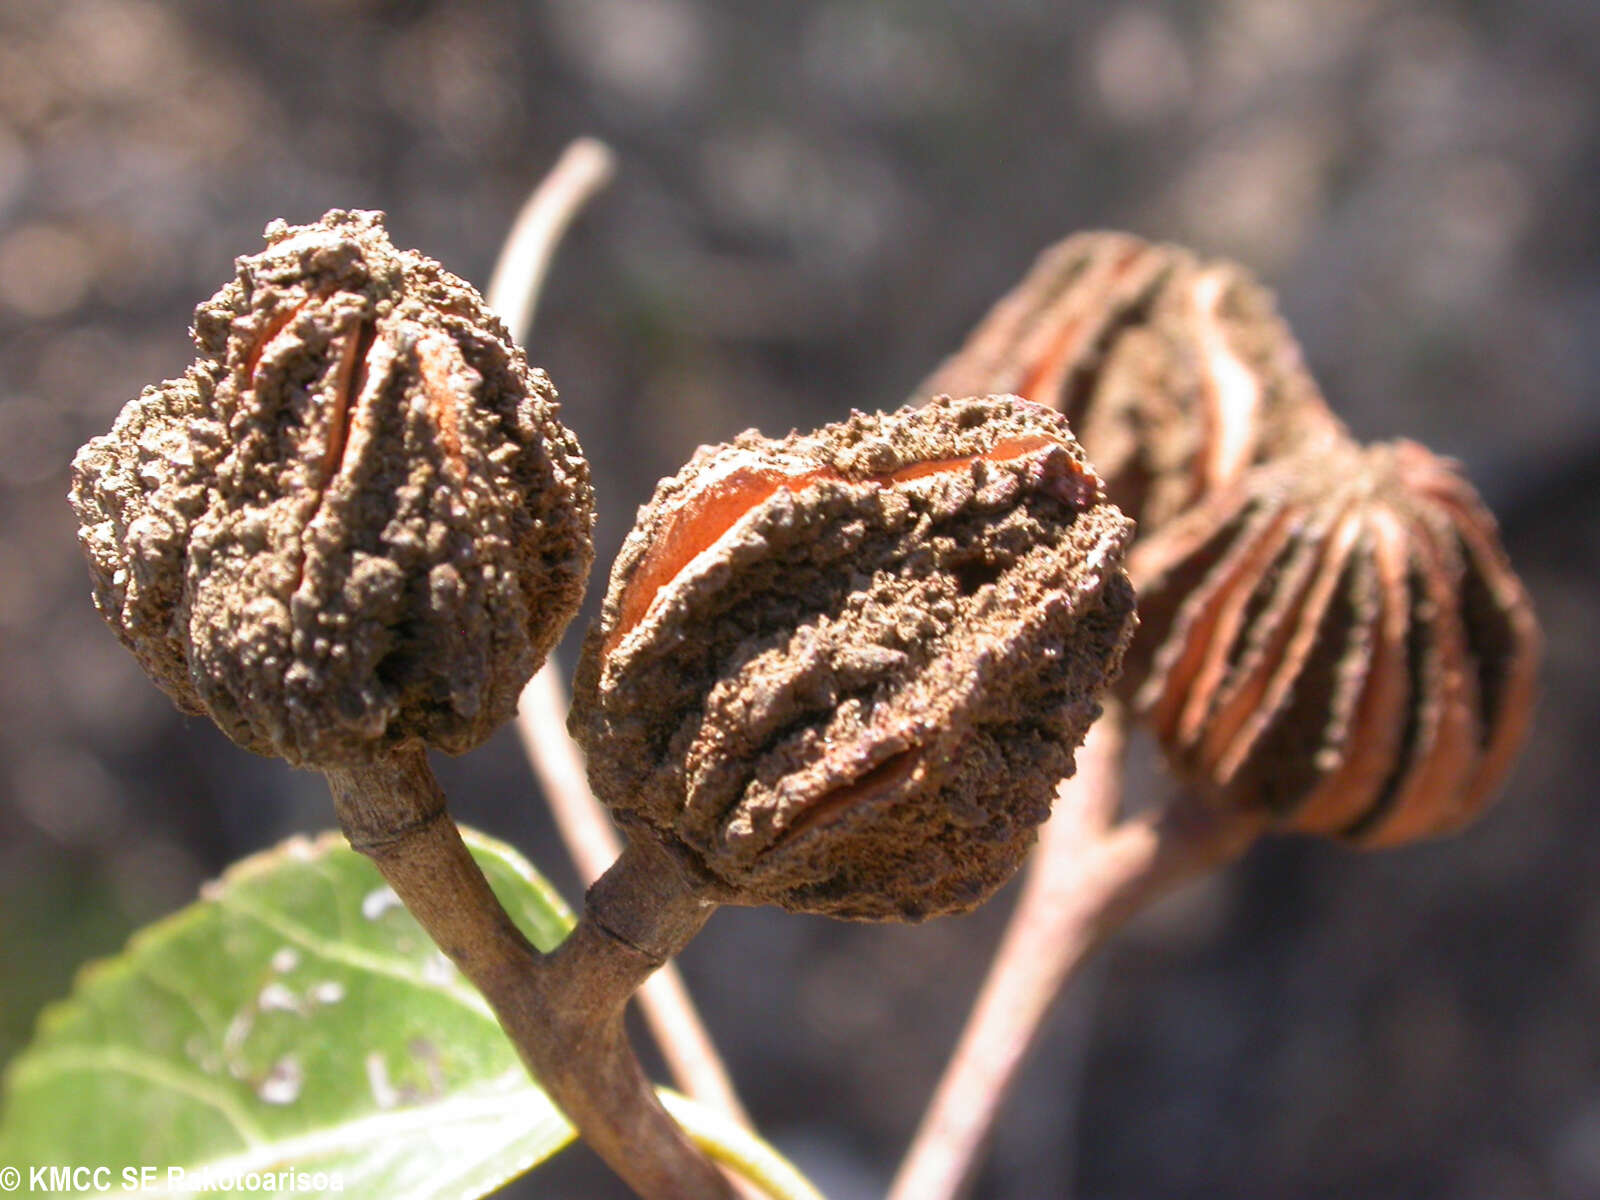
844,671
1340,641
1176,373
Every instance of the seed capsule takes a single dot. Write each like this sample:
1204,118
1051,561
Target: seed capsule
1177,374
356,520
1340,641
844,671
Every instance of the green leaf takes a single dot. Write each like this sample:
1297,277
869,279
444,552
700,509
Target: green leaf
294,1019
297,1023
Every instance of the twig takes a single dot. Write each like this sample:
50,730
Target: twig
582,170
562,1011
593,842
1089,874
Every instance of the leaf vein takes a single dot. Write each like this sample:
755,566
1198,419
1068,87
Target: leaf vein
64,1060
209,1021
510,1102
359,959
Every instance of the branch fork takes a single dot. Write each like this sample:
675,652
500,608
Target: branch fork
562,1011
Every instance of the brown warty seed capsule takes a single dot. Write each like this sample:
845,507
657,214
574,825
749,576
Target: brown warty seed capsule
355,521
1338,640
843,672
1177,373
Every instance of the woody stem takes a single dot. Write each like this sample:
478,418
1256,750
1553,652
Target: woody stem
562,1011
1089,874
594,844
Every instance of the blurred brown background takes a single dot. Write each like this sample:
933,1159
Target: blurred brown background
816,202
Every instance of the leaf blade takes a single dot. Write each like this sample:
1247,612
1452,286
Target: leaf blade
295,1018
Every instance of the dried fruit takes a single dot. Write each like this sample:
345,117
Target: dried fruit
1177,374
356,520
1338,640
844,671
1330,634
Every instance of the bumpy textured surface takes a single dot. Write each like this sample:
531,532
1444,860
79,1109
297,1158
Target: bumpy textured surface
844,672
1340,641
1177,373
355,521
